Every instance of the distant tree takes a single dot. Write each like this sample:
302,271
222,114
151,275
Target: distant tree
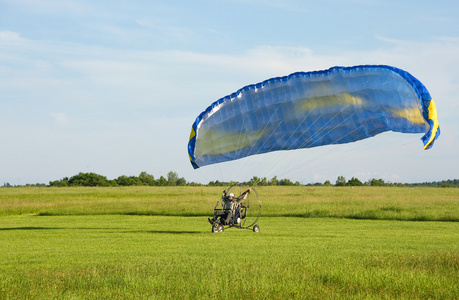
218,183
376,182
354,182
90,179
35,185
258,181
447,185
60,183
172,178
340,181
254,181
286,182
162,181
181,181
273,181
128,180
327,183
263,182
147,179
213,183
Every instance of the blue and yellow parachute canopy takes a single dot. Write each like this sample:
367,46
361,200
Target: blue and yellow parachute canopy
305,110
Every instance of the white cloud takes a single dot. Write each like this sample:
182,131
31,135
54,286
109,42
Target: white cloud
9,35
60,118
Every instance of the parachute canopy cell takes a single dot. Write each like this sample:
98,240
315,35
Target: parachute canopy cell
310,109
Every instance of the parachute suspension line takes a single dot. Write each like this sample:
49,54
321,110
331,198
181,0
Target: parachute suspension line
384,147
274,164
349,133
259,136
261,133
285,159
358,152
296,129
322,130
311,159
272,132
280,123
239,142
325,151
203,176
240,132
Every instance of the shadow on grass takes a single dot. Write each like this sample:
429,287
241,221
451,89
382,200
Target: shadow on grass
367,215
58,228
166,232
29,228
115,213
87,228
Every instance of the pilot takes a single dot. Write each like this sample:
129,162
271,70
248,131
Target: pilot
230,205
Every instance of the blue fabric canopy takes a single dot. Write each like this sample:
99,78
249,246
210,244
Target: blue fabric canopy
304,110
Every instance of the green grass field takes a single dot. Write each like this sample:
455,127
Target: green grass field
314,243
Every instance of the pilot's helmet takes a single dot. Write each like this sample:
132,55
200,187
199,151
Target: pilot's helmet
231,195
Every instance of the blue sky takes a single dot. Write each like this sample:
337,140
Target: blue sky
112,87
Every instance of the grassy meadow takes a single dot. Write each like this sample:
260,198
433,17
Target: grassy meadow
155,242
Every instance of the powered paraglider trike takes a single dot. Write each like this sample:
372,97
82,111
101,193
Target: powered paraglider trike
239,207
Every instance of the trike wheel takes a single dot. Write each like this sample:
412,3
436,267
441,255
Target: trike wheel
217,228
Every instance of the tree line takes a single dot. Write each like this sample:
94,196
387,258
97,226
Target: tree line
173,179
144,179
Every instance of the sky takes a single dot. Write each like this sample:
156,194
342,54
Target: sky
113,87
